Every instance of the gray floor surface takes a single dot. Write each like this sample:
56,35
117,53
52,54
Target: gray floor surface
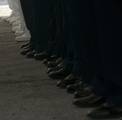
26,92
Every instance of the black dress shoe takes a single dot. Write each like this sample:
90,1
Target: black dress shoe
56,68
49,59
52,58
82,91
105,112
54,63
30,54
45,61
25,51
89,101
68,80
59,74
40,56
51,64
74,87
53,69
71,88
25,45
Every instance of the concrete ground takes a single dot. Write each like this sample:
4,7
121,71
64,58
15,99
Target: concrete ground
26,92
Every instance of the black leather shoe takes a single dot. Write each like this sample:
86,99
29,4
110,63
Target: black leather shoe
30,54
89,101
45,61
40,56
105,112
59,74
54,63
52,58
25,45
83,92
74,87
51,64
68,80
49,59
25,51
56,68
53,69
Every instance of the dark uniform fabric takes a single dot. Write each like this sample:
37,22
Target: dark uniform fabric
29,13
36,16
56,41
109,80
86,34
79,35
41,9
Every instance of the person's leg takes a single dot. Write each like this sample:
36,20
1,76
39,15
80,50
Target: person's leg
66,51
41,9
28,12
108,83
56,41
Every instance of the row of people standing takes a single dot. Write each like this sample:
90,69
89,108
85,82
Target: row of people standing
80,43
